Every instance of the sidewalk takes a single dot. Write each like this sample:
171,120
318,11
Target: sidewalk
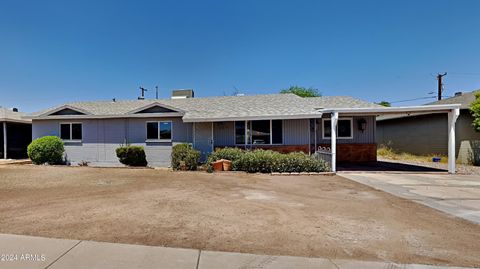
18,251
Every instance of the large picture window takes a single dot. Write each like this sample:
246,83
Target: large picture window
344,128
71,131
259,132
159,130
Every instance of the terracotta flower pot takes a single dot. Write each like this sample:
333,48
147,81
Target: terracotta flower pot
217,166
227,165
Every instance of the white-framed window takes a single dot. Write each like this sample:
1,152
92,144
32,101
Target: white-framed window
344,128
259,132
71,131
160,131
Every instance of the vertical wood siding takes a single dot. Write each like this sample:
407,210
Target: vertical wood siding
102,137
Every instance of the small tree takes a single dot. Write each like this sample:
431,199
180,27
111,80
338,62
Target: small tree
475,110
302,91
384,103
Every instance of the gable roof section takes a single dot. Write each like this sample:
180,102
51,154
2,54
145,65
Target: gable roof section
267,106
156,107
66,110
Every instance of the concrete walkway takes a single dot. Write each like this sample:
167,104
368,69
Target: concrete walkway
18,251
457,195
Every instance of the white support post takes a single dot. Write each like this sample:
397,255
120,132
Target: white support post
452,118
333,137
5,140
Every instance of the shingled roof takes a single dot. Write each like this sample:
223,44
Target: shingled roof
11,116
465,99
220,108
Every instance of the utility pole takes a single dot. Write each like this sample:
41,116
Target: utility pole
156,92
440,84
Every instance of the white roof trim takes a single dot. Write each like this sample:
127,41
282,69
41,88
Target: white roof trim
64,107
28,121
154,105
273,117
123,116
395,110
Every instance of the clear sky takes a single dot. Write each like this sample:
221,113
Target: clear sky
52,52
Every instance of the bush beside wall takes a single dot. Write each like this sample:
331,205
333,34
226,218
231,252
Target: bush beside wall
132,155
185,157
47,149
268,161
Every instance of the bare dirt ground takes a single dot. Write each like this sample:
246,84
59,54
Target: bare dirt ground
315,216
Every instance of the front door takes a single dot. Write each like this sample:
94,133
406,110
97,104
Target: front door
203,139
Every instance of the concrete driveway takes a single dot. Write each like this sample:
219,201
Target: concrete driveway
458,195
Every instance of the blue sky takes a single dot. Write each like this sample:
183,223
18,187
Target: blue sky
53,52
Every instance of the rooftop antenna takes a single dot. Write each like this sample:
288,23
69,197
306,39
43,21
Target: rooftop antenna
142,97
156,92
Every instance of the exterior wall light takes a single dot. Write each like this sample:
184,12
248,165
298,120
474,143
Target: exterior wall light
362,125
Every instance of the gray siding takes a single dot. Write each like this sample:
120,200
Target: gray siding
224,133
296,132
359,137
102,137
425,134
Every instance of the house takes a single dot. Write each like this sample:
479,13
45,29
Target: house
15,134
431,131
282,122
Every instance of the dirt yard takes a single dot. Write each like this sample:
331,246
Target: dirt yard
315,216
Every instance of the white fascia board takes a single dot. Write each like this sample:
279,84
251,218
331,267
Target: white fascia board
394,110
274,117
121,116
27,121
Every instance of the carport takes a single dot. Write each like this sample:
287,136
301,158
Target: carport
453,111
15,134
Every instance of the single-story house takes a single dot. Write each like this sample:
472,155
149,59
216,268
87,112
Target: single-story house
431,131
283,122
15,134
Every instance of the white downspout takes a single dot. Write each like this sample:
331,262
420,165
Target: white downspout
452,118
5,140
333,141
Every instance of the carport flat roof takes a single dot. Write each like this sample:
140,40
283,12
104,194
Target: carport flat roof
394,110
7,115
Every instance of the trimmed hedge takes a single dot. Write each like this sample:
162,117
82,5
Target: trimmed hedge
268,161
47,149
231,154
132,155
185,157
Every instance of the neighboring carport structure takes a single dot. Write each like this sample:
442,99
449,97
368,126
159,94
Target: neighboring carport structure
453,110
15,134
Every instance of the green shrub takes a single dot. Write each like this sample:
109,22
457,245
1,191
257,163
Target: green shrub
47,149
185,157
267,161
132,155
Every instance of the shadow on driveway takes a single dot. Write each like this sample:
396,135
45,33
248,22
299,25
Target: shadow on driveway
382,166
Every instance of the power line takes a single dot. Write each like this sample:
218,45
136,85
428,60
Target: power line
413,99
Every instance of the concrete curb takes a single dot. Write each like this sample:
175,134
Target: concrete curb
72,254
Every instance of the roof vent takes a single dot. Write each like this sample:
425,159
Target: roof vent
458,94
15,109
182,94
